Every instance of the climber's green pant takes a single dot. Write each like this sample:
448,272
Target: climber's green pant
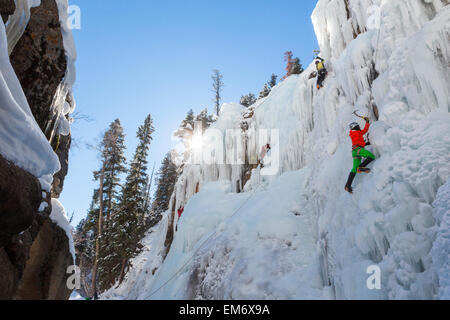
358,154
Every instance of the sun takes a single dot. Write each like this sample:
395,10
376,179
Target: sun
197,141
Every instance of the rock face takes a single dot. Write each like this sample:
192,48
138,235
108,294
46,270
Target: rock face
44,275
33,264
20,197
35,252
7,8
40,62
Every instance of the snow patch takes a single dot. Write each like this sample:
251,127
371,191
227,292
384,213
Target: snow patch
59,217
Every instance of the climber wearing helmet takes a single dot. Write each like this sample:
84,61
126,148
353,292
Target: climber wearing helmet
357,136
321,72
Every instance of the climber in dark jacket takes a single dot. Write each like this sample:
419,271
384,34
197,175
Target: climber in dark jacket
321,72
358,152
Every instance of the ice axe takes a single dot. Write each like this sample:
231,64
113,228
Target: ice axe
365,118
359,116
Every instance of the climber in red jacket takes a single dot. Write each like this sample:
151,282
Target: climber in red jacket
180,212
358,152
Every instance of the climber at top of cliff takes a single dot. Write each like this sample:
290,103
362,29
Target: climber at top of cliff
359,152
321,72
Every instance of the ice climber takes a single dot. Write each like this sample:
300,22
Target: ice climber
180,211
264,151
321,72
358,152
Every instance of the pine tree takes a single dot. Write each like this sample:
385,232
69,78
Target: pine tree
273,81
84,240
293,66
186,127
205,119
113,148
297,67
264,92
128,223
113,166
166,179
289,62
185,132
248,100
217,89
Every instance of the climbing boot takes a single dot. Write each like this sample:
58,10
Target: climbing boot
363,170
348,186
366,163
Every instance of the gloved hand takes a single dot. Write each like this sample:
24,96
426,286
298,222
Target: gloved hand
367,119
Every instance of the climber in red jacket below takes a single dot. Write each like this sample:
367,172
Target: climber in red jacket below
180,212
358,152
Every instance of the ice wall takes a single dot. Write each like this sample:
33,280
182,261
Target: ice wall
64,103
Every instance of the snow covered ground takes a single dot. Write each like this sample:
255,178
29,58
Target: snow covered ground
76,296
298,234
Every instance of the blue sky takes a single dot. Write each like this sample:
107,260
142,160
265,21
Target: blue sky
143,56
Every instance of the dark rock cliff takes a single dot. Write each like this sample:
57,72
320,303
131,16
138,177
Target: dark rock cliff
34,251
7,8
39,60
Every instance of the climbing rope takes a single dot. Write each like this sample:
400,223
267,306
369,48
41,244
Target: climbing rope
58,141
177,273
